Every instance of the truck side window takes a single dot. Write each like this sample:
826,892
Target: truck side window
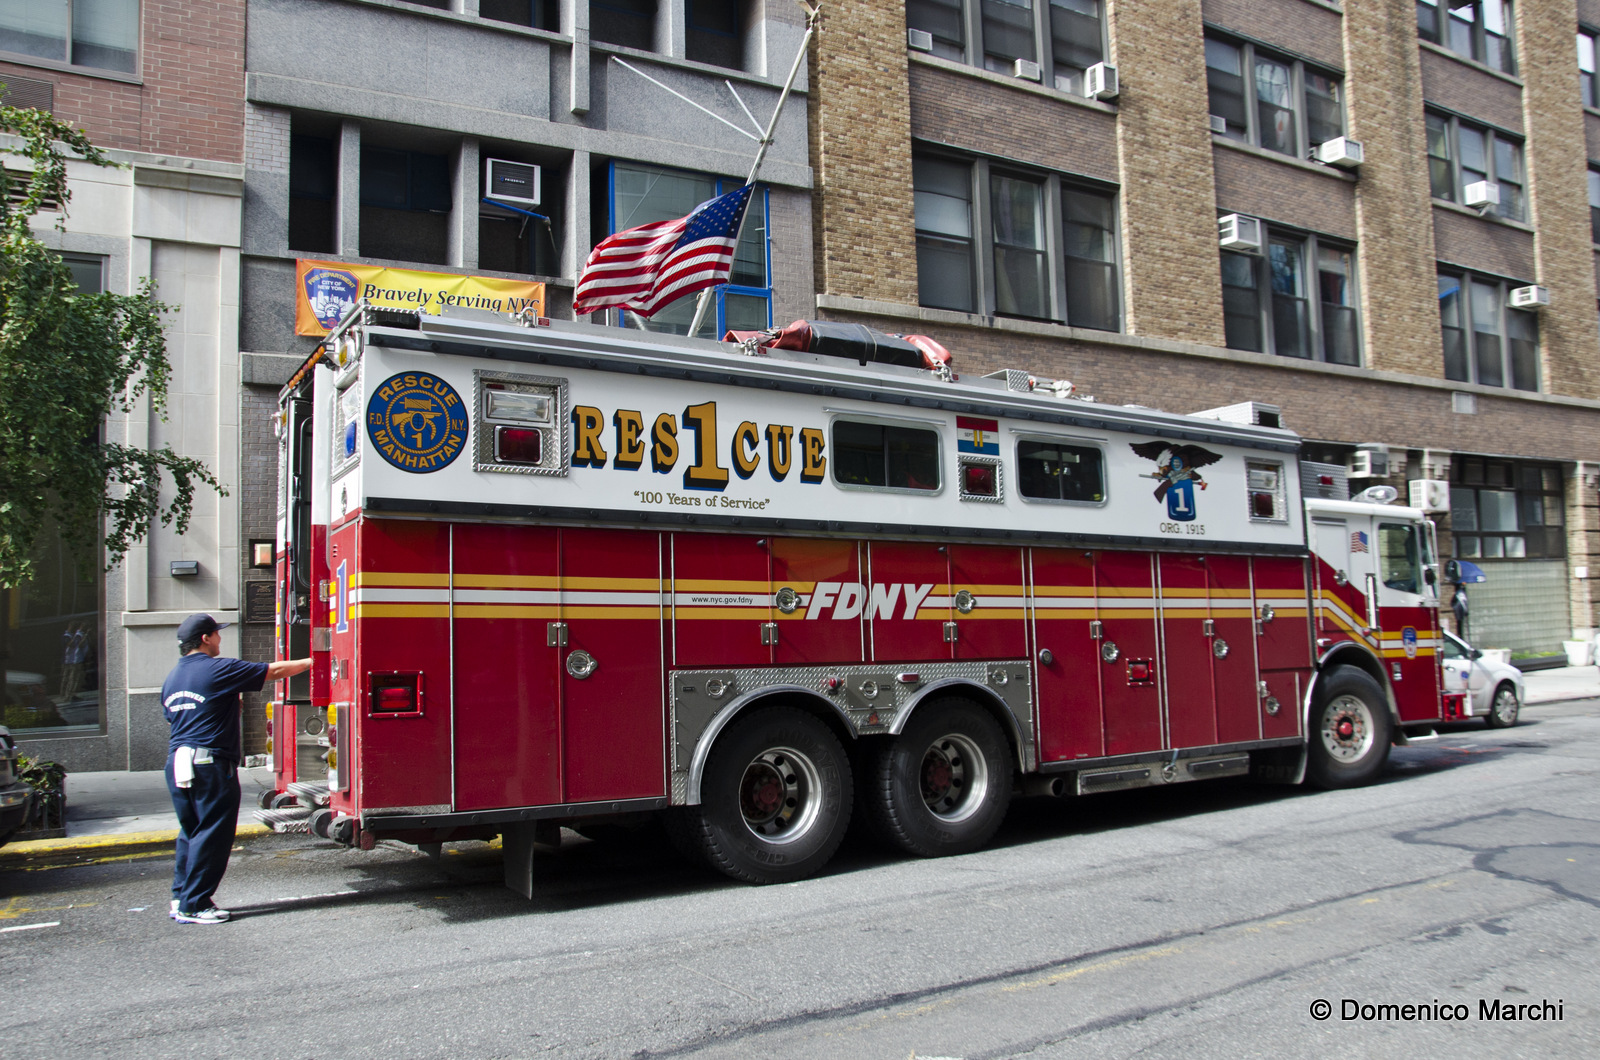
875,455
1056,471
1397,551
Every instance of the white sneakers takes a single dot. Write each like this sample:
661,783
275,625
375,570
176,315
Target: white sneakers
204,916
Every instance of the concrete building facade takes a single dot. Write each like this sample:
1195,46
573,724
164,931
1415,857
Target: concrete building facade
1025,224
162,92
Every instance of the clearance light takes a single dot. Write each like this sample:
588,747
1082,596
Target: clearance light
520,408
518,445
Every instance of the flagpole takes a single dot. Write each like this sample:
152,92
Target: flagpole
812,16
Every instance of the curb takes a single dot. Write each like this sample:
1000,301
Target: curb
105,843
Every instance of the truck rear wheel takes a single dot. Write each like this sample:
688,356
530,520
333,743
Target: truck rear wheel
775,798
1349,731
942,786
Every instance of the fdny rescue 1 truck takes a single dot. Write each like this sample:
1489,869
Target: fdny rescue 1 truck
557,574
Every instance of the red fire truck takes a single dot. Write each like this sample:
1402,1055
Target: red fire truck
557,574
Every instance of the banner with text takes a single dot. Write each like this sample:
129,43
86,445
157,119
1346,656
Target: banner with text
325,291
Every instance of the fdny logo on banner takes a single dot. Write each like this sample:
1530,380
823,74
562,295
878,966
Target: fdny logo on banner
977,436
331,294
1178,470
417,422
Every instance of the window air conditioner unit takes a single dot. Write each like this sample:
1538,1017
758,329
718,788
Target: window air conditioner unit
1482,195
1341,151
1026,69
1530,297
1219,124
1100,81
919,40
1235,231
510,181
1368,463
1429,494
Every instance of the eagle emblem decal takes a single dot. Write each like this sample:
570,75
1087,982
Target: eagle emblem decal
1177,472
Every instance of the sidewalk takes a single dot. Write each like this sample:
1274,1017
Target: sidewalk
130,809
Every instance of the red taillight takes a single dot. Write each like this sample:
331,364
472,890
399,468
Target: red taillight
518,445
978,480
396,693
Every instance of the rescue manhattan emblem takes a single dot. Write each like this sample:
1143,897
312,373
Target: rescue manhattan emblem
417,422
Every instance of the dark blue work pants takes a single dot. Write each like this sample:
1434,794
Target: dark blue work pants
208,814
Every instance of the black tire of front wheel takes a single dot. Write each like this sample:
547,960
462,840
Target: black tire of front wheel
771,741
897,803
1347,694
1502,714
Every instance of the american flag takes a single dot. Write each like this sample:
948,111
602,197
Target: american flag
1358,541
646,268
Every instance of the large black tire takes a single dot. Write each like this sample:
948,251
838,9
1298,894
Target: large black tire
1504,708
1349,732
943,785
775,798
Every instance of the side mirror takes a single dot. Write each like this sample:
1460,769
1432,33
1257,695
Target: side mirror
1430,577
1477,653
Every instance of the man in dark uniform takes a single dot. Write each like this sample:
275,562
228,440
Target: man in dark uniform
201,701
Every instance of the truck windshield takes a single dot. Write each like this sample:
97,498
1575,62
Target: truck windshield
1400,555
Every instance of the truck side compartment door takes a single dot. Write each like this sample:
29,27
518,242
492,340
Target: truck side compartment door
819,570
721,600
918,626
613,707
990,617
1129,679
1233,649
1071,724
1187,635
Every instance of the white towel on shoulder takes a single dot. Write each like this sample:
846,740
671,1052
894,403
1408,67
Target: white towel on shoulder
183,766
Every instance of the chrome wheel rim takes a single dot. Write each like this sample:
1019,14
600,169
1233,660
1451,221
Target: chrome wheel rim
1347,728
1505,706
954,778
780,795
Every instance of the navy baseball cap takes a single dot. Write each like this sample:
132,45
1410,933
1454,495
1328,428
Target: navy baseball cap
199,626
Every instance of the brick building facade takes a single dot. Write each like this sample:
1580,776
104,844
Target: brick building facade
159,85
1078,237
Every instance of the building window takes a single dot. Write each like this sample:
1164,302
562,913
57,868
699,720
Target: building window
1586,49
522,237
88,271
313,187
1283,105
1478,29
630,23
641,194
1461,154
1507,509
1484,341
405,205
1067,40
1594,204
1298,299
713,32
1041,247
103,34
540,14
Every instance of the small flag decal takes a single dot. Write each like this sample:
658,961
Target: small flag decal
977,436
1358,541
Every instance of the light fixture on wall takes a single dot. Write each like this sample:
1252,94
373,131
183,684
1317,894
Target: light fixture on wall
261,550
184,568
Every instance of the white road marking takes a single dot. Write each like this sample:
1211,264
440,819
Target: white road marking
30,927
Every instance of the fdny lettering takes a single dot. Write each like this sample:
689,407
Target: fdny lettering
743,448
849,599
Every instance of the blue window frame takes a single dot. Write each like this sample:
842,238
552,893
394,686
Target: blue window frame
639,194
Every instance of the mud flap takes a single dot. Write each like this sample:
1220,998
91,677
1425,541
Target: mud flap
519,843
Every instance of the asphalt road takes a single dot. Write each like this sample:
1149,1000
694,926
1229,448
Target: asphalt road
1202,921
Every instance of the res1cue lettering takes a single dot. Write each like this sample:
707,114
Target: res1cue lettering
618,441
